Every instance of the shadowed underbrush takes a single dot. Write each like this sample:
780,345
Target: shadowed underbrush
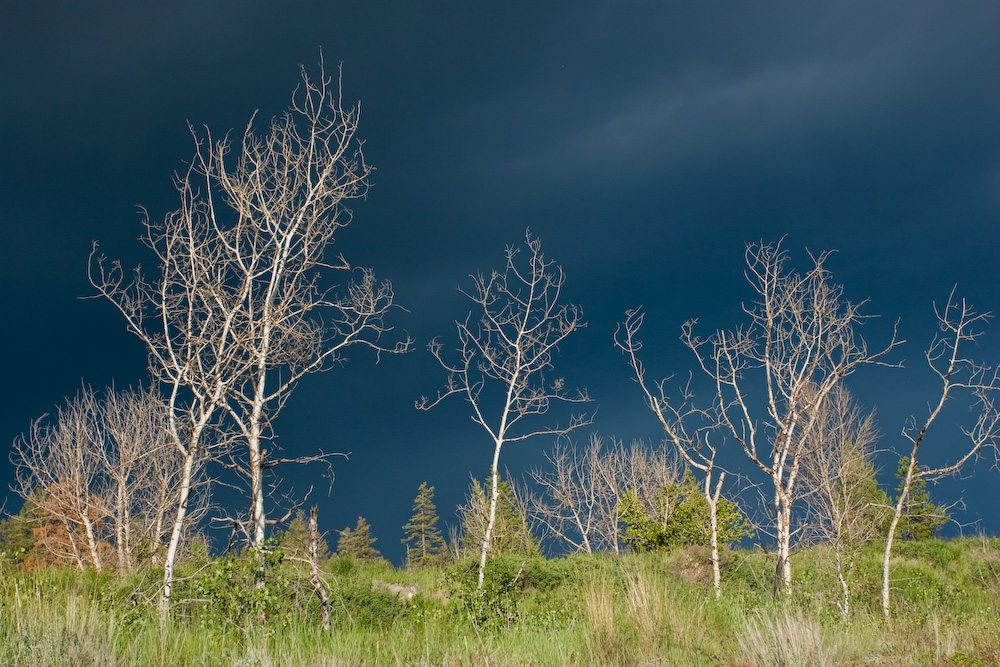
639,609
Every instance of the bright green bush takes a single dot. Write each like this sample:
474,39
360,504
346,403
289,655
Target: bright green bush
678,515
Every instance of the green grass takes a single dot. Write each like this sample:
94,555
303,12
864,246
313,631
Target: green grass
640,609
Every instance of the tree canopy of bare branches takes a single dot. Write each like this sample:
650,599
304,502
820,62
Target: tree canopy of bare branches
64,460
505,356
285,198
238,311
959,327
102,471
800,342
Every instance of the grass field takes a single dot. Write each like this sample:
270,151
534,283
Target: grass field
640,609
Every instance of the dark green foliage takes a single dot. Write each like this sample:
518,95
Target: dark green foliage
358,543
921,518
357,604
425,546
511,533
17,533
678,515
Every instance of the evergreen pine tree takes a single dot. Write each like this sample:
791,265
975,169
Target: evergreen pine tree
921,517
511,533
295,540
358,543
424,543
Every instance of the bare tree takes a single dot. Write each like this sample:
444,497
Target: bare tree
186,320
573,504
234,319
505,354
63,458
843,505
134,453
284,199
686,427
959,326
801,341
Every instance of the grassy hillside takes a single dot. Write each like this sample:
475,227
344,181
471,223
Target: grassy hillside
583,610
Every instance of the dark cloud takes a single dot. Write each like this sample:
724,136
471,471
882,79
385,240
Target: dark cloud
645,143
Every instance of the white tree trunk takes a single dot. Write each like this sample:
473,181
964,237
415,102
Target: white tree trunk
783,571
494,495
713,506
88,527
845,608
891,536
178,529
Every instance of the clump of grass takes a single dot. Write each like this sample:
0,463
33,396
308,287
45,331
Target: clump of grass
788,639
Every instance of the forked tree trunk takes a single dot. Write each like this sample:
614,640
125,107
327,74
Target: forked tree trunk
783,569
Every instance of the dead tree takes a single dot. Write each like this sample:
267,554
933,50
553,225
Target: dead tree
64,460
275,208
799,344
233,320
314,577
959,327
137,458
186,319
505,354
686,427
844,507
573,505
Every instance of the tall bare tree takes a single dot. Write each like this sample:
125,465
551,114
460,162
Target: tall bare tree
686,427
800,342
959,326
505,354
186,318
843,505
275,207
238,313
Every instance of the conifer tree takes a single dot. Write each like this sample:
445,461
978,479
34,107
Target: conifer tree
511,534
358,543
424,543
678,515
921,517
295,540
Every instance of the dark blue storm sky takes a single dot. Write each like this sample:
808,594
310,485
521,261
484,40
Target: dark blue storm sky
644,143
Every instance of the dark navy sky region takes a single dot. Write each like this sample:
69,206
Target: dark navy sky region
643,143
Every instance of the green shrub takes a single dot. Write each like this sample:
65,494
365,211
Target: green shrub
248,589
358,605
